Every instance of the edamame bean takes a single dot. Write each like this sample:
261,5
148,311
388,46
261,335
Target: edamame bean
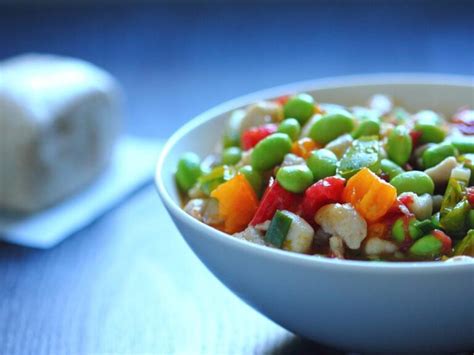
399,229
231,156
300,107
253,177
188,171
390,168
464,145
427,246
295,178
330,126
270,151
368,127
322,163
399,145
413,181
429,124
291,127
436,154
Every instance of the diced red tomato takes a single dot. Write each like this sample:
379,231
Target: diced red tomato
323,192
275,198
252,136
407,200
470,195
447,243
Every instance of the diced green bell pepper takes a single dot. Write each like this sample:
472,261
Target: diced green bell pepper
215,177
364,153
466,245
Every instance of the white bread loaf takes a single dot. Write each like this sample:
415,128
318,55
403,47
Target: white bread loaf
59,120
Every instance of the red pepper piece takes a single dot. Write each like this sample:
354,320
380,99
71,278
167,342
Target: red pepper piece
282,99
446,242
275,198
325,191
415,137
252,136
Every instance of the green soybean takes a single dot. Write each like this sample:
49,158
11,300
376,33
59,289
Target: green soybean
399,145
322,163
390,168
291,127
429,124
436,154
295,178
464,145
413,181
231,156
368,127
253,177
426,246
270,151
188,171
300,107
330,126
399,229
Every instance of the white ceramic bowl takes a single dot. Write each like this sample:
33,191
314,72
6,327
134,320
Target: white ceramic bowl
351,305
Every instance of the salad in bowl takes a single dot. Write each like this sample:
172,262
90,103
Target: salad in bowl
368,182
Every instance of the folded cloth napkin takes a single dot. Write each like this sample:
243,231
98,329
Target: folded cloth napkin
131,167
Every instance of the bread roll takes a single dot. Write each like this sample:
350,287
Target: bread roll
59,120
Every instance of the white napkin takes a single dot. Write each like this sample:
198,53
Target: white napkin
132,167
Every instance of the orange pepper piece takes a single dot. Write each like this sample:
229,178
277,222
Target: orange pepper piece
371,196
237,203
304,147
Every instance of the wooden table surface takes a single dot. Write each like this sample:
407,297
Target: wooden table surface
128,283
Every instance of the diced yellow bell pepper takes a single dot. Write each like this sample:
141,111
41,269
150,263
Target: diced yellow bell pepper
237,203
371,196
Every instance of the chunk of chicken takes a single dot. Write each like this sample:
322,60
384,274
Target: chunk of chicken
195,208
250,234
300,235
377,246
421,207
261,113
204,210
342,221
339,145
336,245
292,159
441,172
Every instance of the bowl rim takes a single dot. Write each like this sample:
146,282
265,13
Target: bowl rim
322,83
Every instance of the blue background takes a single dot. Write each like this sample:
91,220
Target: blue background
176,60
